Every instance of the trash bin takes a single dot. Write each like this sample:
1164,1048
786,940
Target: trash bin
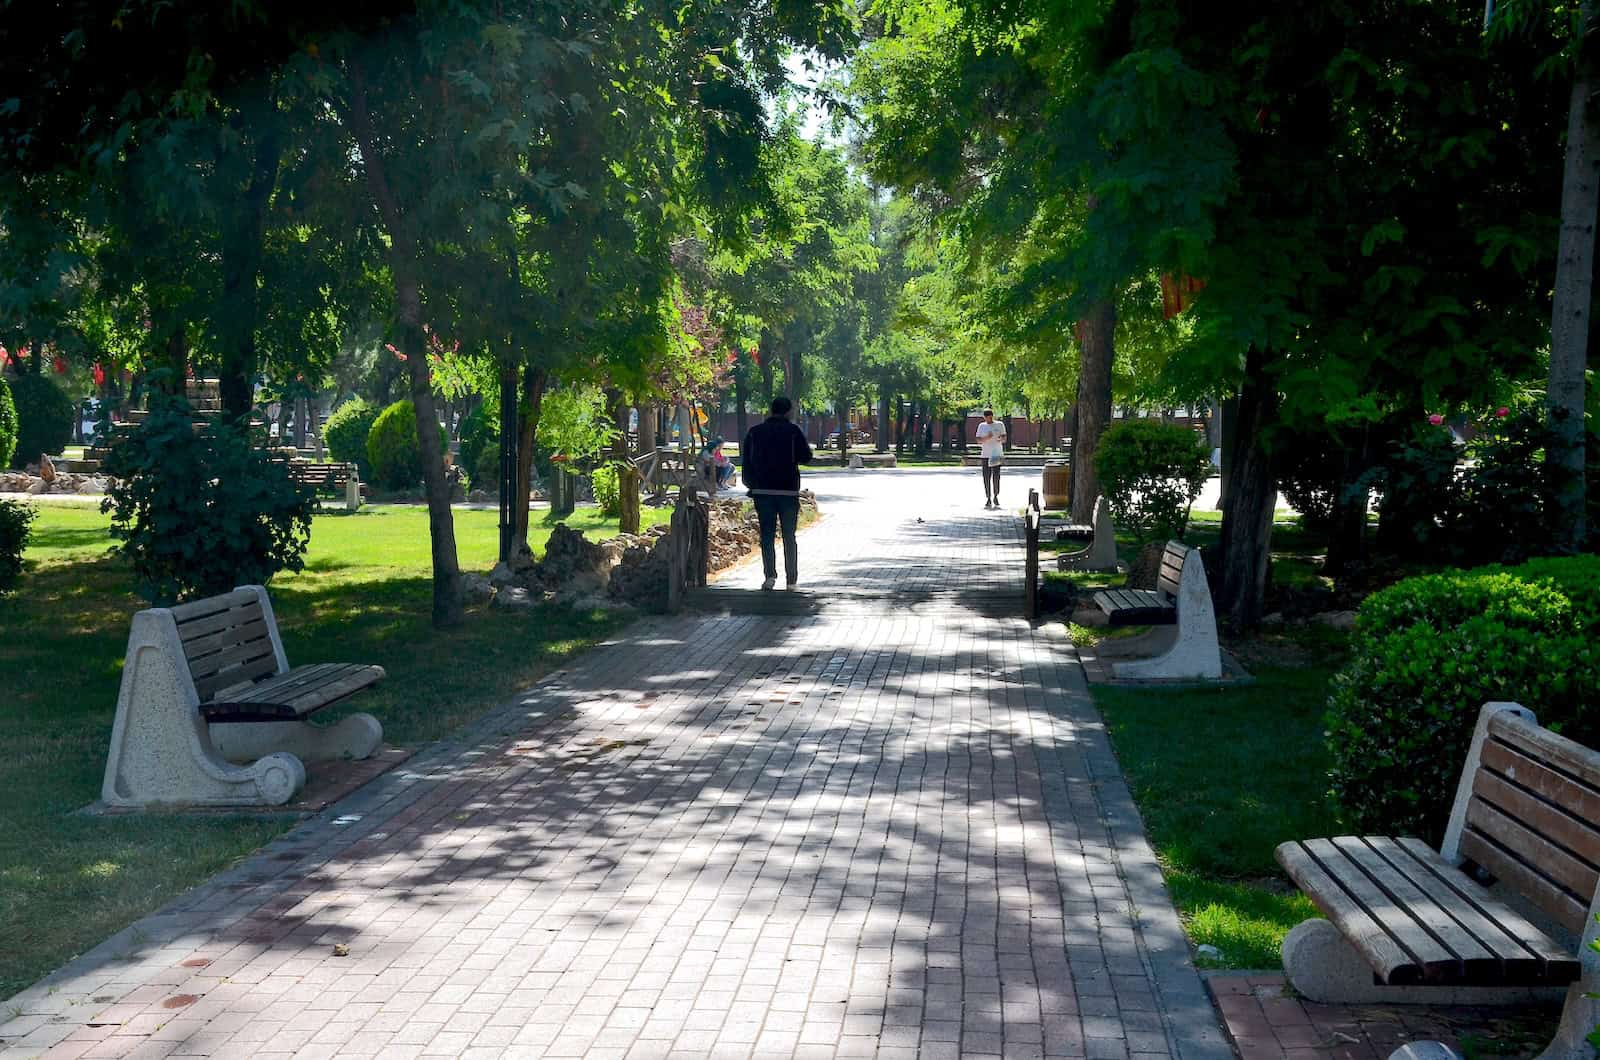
1057,473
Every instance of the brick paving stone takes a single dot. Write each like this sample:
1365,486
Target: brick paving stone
875,817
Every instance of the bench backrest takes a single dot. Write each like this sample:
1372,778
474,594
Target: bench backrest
1528,811
227,640
1171,573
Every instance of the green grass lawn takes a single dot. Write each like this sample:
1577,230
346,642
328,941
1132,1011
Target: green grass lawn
68,880
1222,776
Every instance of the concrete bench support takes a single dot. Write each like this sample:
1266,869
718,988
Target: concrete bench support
1195,653
161,749
210,714
1101,555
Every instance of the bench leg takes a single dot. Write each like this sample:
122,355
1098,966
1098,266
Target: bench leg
1101,555
1195,654
356,736
1324,967
161,753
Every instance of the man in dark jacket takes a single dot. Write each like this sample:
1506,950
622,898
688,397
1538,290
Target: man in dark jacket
772,453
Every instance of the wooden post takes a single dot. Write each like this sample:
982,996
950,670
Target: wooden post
1030,587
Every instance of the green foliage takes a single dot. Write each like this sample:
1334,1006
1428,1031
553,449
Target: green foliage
8,425
393,448
485,474
607,490
573,424
16,521
1151,472
480,434
1428,653
199,512
346,432
44,418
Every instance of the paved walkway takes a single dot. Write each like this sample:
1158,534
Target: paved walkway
886,823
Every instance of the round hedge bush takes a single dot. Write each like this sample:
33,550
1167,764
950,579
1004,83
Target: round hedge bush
393,449
346,433
1150,473
44,418
8,425
1428,653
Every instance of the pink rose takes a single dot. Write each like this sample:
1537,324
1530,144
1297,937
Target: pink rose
1436,419
1502,412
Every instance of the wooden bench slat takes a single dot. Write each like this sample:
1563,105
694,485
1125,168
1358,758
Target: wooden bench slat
1470,958
1548,747
1518,875
249,670
205,623
1535,867
198,647
1429,959
1353,919
1504,830
298,693
183,614
1556,964
1577,798
290,684
1551,823
244,653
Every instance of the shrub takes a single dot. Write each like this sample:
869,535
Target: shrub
486,472
16,524
1150,473
346,432
201,512
607,490
393,449
480,433
44,418
8,425
1428,653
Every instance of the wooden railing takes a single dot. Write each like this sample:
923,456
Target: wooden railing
689,545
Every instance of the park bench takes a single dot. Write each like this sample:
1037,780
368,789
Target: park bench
1182,598
1101,552
335,478
1407,924
211,714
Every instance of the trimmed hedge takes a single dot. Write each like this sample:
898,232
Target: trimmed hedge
16,526
8,425
1428,653
1150,473
393,447
346,433
44,418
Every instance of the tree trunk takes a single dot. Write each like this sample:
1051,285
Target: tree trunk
1569,328
244,232
509,462
1096,348
647,428
1252,496
844,432
1228,414
534,381
406,269
627,474
883,421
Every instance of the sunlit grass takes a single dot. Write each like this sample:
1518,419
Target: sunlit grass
1222,776
68,880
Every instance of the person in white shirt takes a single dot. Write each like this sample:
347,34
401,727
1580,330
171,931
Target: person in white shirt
992,450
